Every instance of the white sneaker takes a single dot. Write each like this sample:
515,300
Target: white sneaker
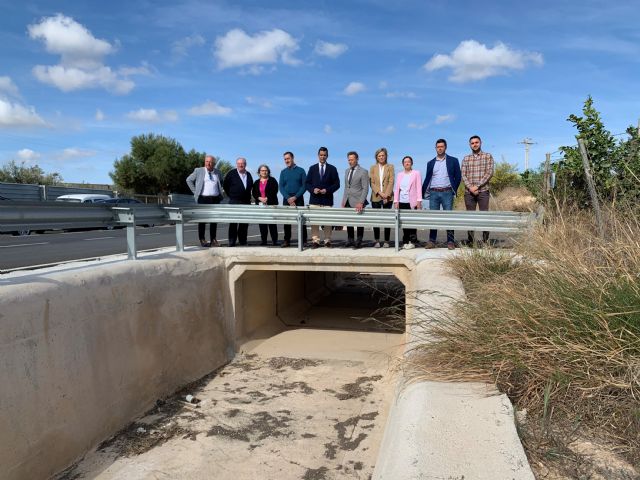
385,245
377,245
408,246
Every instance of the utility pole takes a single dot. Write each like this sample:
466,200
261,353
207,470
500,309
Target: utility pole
527,142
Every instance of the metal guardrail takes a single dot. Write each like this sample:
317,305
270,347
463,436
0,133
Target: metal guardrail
16,216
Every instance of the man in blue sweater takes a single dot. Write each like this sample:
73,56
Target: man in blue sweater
292,187
440,186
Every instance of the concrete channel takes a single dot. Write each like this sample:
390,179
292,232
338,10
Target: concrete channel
292,360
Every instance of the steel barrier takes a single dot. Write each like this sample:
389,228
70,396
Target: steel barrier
58,216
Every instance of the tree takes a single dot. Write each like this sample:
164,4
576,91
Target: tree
157,165
11,172
601,147
504,175
627,166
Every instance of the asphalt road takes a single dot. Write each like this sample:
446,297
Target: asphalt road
55,247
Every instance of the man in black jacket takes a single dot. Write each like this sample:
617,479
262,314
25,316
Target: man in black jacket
321,183
237,185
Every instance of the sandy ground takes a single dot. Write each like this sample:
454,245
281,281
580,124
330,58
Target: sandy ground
304,404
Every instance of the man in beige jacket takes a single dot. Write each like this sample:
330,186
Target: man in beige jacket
381,175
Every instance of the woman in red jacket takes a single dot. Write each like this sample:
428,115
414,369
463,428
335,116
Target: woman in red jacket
265,192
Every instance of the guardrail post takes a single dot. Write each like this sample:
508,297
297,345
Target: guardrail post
131,241
397,230
300,237
179,234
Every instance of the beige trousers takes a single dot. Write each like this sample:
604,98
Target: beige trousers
315,229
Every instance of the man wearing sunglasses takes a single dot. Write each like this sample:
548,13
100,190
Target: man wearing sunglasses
206,185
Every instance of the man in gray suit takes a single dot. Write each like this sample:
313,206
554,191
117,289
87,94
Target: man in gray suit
356,188
206,185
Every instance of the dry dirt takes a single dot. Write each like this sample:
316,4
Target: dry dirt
258,417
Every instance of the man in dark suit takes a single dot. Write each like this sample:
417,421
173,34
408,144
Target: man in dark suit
206,185
440,186
321,183
356,187
237,185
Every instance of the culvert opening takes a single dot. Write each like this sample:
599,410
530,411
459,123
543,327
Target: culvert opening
268,301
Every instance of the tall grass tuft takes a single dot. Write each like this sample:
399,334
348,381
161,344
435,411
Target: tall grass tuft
556,325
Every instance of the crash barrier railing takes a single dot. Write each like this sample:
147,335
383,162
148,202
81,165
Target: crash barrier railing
16,216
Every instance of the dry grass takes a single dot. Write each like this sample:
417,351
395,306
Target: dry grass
556,327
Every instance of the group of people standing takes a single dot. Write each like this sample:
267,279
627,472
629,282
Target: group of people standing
406,190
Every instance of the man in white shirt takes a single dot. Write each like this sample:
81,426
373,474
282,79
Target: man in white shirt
206,185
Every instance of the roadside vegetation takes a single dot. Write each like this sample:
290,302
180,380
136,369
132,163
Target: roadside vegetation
554,323
556,326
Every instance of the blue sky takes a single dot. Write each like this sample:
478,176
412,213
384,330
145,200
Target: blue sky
79,79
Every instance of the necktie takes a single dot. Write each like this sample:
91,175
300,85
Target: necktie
321,171
351,175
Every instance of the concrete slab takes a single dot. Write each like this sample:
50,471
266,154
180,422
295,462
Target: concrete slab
267,415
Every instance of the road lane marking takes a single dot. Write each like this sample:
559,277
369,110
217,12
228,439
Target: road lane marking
24,244
98,238
147,234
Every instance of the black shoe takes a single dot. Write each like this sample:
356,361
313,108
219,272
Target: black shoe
285,244
328,245
315,245
204,243
263,244
357,245
232,244
349,244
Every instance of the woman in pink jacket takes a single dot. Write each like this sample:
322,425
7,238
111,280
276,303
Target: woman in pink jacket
408,196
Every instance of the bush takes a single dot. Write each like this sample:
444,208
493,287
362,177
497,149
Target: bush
556,327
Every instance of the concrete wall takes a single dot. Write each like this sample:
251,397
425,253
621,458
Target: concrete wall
83,352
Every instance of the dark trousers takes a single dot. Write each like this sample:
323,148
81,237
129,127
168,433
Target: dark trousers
238,231
273,230
213,227
408,234
287,228
376,230
436,200
351,230
482,202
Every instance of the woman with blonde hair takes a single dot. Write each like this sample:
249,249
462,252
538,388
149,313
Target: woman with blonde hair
265,192
381,176
408,196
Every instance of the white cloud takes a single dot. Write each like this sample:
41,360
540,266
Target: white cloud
64,36
331,50
143,69
72,153
449,117
417,126
71,78
383,84
17,115
401,95
328,129
7,86
259,101
81,63
389,129
99,115
471,61
151,115
27,155
238,49
180,48
354,88
210,108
